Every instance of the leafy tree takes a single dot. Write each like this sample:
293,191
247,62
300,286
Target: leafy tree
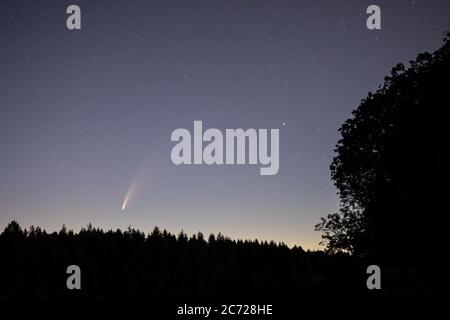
391,168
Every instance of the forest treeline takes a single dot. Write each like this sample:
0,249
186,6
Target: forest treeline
160,265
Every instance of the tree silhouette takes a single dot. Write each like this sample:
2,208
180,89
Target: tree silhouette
392,168
161,266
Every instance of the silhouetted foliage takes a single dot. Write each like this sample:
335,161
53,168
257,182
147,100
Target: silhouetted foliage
392,169
161,266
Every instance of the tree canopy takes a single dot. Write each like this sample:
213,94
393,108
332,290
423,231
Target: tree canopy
161,266
391,167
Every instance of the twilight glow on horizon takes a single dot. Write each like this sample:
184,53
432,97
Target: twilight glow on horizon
86,116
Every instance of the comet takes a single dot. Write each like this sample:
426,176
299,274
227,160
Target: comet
132,190
134,186
141,176
125,201
128,195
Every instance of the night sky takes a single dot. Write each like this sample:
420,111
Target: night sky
87,114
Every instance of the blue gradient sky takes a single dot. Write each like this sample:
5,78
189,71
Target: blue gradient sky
82,112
